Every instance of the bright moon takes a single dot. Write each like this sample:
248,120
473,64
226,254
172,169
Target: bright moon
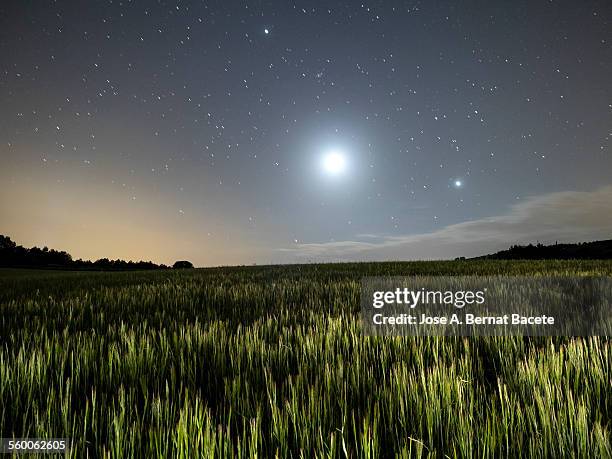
458,183
334,163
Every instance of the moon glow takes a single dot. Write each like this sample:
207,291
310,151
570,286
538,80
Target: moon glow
334,163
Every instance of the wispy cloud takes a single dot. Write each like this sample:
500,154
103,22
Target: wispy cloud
563,216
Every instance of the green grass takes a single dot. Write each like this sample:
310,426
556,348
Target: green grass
271,361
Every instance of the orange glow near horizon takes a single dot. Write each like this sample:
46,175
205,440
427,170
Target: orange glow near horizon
100,223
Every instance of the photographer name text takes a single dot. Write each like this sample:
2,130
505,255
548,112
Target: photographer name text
464,319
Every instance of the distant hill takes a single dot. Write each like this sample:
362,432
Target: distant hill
597,250
16,256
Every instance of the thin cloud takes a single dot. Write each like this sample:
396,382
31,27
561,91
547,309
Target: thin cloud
568,216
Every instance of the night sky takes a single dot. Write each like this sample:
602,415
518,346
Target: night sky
254,132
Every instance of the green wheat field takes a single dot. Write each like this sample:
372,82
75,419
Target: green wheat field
271,362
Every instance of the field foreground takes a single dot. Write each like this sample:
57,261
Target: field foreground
271,361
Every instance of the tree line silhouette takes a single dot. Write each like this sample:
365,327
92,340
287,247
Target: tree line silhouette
16,256
596,250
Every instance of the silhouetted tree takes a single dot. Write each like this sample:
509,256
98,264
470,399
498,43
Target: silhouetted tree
183,264
6,243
